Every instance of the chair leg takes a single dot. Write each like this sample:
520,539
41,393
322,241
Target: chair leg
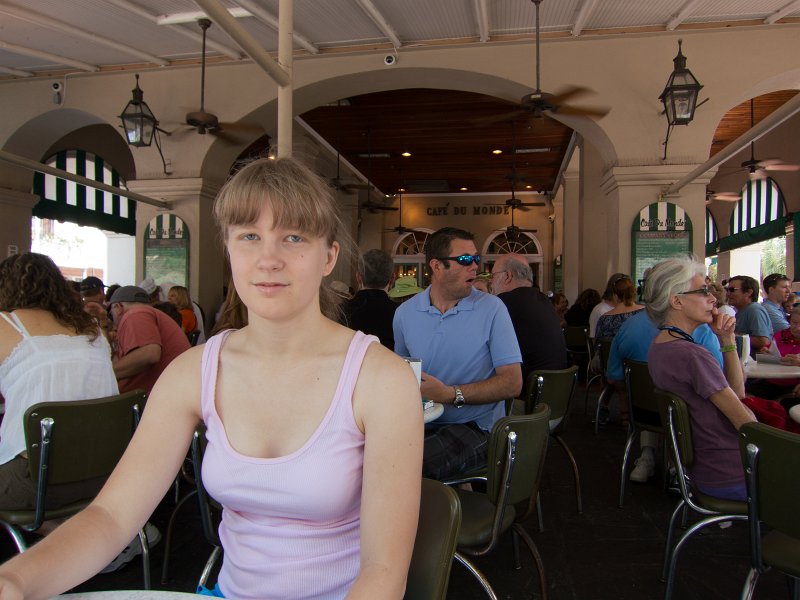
515,547
685,537
625,457
589,382
606,390
794,587
537,558
477,574
539,511
145,557
16,536
574,472
749,584
207,568
668,542
168,538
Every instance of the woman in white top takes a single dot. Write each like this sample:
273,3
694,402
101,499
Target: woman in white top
50,350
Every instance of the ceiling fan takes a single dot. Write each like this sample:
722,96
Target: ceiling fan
206,122
370,204
758,168
538,103
338,182
399,229
724,196
513,177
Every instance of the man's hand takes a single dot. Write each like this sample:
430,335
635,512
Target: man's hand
793,360
435,390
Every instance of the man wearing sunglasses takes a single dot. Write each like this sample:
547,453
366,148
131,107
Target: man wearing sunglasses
469,353
751,317
777,289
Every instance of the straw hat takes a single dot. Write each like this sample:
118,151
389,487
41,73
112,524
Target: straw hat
405,286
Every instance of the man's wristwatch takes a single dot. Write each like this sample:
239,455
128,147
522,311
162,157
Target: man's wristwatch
458,401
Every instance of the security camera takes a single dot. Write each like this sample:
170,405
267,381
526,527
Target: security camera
551,218
389,60
57,87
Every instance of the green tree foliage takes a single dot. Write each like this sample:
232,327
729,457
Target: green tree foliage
773,256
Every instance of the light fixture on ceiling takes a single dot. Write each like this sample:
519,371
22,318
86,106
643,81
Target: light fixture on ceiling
680,95
406,154
140,124
497,151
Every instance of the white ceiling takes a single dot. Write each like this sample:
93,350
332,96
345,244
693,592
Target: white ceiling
42,37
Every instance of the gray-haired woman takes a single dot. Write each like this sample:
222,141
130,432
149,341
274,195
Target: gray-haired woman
679,301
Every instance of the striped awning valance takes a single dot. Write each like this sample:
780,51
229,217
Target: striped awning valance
662,216
64,200
711,228
166,227
761,203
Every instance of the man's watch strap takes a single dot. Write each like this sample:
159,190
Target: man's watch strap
458,400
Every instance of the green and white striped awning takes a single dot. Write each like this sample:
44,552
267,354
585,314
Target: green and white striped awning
711,229
761,203
662,216
64,200
166,227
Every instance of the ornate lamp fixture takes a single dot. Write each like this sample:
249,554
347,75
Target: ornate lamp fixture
140,124
680,95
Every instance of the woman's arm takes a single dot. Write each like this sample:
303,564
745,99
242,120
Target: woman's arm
724,327
86,543
388,406
731,406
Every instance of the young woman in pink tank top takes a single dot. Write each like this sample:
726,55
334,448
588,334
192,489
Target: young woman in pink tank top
315,434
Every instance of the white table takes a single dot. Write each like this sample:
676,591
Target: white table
762,370
433,413
129,595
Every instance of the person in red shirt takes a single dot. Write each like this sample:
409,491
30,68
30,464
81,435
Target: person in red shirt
147,339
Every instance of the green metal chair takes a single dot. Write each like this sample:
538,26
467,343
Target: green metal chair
72,442
602,346
579,345
675,414
555,388
435,544
644,411
517,450
771,459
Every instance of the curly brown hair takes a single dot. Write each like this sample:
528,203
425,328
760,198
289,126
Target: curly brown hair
31,280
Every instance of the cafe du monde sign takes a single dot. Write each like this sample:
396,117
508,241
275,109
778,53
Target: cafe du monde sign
660,230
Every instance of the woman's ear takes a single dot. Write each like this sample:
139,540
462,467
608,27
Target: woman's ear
331,256
675,302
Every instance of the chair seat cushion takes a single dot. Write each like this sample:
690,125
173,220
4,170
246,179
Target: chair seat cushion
782,552
720,505
24,517
477,515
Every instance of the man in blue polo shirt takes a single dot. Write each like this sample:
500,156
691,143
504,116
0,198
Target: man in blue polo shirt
469,353
777,289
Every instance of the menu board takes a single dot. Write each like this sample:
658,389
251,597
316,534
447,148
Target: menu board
660,230
651,247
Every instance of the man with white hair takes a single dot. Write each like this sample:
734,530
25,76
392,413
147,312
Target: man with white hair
536,322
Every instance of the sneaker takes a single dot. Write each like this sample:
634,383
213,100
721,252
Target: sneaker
644,470
133,549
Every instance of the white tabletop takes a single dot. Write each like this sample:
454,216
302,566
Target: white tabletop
761,370
433,413
129,595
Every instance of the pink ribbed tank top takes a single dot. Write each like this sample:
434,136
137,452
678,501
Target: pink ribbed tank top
290,525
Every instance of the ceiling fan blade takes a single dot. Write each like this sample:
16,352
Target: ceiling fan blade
725,196
243,127
532,204
757,174
582,111
776,164
570,92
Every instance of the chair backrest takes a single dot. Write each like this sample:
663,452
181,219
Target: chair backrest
81,439
554,388
208,519
771,459
641,390
193,336
576,337
602,346
516,454
435,544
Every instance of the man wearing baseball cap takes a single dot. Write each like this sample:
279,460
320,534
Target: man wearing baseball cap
147,339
